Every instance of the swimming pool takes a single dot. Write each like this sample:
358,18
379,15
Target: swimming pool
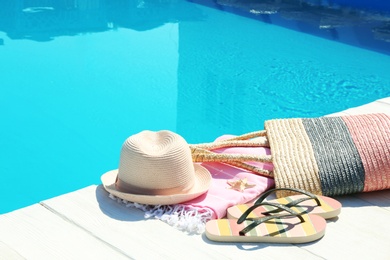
79,77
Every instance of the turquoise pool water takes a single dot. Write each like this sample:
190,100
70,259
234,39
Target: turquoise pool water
79,77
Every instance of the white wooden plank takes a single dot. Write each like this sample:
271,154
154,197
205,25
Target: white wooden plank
380,106
384,100
338,114
126,228
360,232
8,253
377,198
121,226
36,233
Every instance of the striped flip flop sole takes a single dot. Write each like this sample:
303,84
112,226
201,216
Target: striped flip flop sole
287,230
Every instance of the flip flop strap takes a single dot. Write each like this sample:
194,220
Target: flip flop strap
258,221
280,207
293,203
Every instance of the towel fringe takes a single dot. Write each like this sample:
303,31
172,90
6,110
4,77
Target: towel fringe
183,217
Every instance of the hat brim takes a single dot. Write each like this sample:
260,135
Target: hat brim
201,185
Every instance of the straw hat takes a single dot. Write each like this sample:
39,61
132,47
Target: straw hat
156,168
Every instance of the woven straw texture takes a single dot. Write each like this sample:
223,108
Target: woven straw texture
331,155
371,135
156,168
292,155
341,170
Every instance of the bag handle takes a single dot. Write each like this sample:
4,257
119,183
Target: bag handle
202,152
245,140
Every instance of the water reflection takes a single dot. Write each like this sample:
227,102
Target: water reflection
43,20
315,13
370,27
382,32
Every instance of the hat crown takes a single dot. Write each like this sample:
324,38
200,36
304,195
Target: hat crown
155,163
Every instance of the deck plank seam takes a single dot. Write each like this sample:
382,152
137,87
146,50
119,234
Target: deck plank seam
6,250
385,101
58,214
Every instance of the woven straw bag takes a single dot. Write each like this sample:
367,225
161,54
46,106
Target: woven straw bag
326,156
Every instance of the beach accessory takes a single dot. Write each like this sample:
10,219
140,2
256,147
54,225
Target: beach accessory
326,156
290,227
191,216
303,203
331,155
156,168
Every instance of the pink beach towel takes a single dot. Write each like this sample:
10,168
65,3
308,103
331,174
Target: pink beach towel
191,216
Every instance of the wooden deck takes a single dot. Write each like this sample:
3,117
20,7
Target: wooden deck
87,224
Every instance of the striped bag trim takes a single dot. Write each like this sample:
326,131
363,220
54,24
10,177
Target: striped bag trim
331,155
371,135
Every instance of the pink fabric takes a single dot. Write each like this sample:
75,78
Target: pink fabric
220,195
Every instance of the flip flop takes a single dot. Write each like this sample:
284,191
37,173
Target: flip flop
303,203
282,228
